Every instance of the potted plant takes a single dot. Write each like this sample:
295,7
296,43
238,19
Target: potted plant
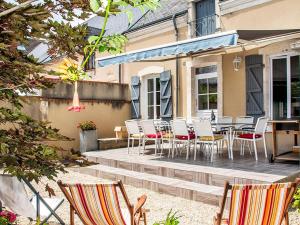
88,136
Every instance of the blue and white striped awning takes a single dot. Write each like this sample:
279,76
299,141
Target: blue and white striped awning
209,42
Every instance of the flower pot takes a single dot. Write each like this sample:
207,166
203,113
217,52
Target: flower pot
88,140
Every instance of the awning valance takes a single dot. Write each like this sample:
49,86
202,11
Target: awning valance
214,41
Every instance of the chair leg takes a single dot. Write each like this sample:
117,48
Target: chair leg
286,219
265,146
139,145
145,219
143,146
241,147
173,148
72,216
195,150
255,150
128,144
212,152
132,145
161,146
188,150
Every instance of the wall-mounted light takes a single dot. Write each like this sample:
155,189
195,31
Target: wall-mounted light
237,63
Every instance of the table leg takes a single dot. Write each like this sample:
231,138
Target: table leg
274,140
231,142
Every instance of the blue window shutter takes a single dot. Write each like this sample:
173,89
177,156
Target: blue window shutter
166,105
135,97
254,86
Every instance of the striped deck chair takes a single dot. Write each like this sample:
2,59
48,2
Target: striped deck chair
98,204
257,204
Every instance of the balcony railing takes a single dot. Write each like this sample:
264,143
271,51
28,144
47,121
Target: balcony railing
204,26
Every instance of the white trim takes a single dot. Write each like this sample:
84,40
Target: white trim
151,70
171,44
231,6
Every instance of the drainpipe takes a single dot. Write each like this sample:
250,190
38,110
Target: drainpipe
120,73
177,63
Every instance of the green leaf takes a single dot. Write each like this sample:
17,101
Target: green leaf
102,48
92,39
129,15
94,4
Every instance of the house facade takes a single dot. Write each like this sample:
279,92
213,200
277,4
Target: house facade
258,76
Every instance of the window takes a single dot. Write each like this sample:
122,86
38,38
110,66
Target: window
153,98
207,93
286,87
205,17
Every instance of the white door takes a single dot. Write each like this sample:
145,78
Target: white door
206,94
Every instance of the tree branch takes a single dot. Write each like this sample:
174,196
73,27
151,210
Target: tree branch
17,7
107,11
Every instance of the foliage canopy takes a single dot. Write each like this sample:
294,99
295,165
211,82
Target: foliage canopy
24,142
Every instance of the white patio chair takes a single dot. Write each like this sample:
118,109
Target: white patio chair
204,135
134,133
257,135
225,120
181,134
151,134
167,135
243,122
243,125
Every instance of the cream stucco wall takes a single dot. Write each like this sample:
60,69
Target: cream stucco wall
276,14
234,85
106,115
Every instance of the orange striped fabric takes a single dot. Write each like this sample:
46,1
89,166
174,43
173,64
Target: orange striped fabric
97,204
259,204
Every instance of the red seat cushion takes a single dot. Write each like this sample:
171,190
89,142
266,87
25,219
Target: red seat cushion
158,135
186,137
249,136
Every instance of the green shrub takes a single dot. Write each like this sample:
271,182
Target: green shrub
172,219
296,203
87,125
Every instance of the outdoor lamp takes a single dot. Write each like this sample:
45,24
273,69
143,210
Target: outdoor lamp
237,63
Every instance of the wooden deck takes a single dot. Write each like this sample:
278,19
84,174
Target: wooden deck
197,180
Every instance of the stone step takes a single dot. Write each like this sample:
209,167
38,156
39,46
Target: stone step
208,194
186,172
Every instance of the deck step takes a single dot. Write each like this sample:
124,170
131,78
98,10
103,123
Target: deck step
186,172
190,190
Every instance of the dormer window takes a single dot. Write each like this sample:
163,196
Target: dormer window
205,23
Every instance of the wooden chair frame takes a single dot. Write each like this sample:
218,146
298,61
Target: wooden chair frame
137,212
219,216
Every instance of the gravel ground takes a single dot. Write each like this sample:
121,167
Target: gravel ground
191,212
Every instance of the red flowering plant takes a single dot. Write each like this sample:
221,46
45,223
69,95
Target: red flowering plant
87,125
7,217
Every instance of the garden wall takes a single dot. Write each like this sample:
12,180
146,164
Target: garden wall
105,104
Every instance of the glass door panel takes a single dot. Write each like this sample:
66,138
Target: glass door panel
279,88
295,86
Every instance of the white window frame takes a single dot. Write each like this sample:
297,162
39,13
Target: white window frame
205,76
154,96
286,56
